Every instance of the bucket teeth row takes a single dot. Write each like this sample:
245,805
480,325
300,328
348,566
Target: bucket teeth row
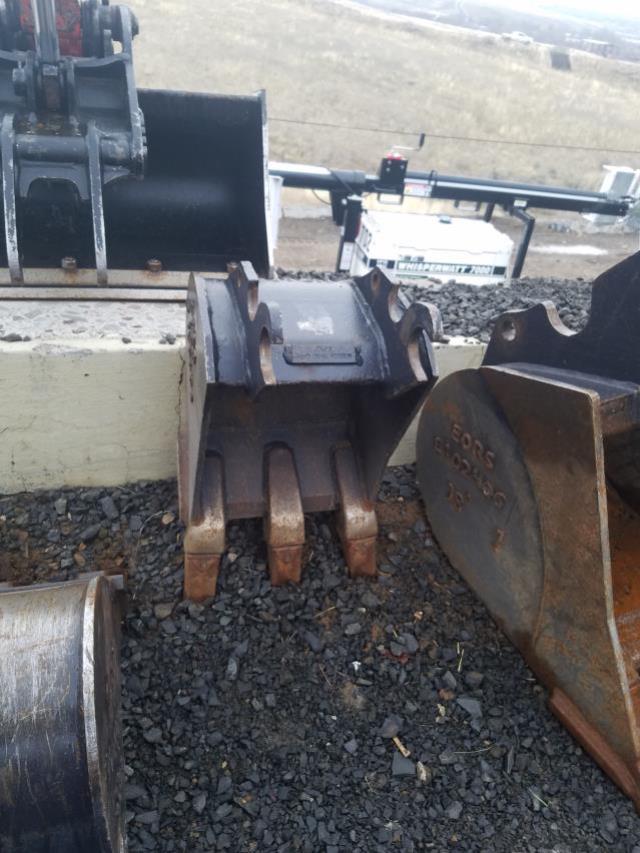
294,395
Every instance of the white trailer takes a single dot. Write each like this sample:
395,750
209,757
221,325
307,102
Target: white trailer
418,246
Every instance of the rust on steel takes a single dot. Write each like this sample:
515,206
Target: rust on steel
205,536
293,397
284,518
530,473
357,522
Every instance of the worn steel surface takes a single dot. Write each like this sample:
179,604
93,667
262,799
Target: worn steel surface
60,744
529,469
295,394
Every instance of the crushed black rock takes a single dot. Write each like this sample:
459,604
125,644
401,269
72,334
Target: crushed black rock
247,726
392,726
470,705
401,766
471,311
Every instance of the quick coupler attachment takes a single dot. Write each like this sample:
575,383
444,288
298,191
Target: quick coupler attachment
530,472
61,759
294,395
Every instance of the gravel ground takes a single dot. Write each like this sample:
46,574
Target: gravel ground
263,720
471,311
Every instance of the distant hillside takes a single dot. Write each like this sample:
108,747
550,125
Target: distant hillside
554,23
321,62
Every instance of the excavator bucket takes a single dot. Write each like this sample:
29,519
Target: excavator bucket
200,204
202,201
530,472
107,177
61,761
295,394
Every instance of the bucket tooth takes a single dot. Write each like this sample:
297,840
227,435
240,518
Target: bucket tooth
204,539
301,390
201,575
357,522
529,470
284,519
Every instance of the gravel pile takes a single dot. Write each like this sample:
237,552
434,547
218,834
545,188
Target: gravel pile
264,720
471,311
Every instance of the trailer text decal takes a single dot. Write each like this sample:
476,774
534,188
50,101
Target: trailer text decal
449,269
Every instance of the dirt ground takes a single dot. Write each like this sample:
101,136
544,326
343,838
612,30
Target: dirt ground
312,244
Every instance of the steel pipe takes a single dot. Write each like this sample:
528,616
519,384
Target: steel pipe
60,742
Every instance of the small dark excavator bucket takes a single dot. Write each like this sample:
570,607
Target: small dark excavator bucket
530,472
202,200
61,763
294,396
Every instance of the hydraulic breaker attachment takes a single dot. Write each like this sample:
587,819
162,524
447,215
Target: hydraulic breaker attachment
294,395
530,472
61,761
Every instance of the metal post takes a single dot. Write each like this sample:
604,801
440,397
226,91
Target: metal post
488,211
349,232
523,246
338,204
46,31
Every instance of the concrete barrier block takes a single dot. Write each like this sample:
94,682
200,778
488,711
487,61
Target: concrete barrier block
99,412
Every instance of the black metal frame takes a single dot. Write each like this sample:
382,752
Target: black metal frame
515,198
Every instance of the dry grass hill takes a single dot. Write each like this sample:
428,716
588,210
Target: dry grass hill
321,61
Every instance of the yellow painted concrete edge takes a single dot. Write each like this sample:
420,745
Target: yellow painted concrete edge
101,413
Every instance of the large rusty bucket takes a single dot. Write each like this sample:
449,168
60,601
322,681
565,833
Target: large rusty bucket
530,472
294,395
61,758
